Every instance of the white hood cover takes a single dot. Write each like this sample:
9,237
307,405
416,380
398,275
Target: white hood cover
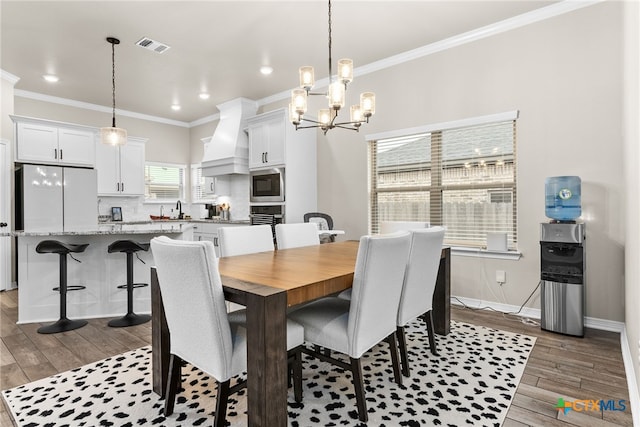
228,151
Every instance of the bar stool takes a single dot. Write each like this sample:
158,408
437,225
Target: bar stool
63,249
129,247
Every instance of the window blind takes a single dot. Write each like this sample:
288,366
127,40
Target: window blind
463,178
164,182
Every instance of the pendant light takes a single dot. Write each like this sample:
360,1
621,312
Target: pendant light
113,135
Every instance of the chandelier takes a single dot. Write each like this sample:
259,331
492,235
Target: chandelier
328,117
113,135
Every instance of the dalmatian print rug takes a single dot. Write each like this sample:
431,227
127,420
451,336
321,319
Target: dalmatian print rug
471,382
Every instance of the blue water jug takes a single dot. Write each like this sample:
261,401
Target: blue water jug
562,198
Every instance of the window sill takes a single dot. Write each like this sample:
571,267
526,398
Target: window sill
483,253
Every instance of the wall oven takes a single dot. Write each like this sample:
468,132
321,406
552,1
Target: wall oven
267,185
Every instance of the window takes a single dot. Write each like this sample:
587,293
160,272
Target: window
164,182
461,175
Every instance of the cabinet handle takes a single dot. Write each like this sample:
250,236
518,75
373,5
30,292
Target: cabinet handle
55,153
122,186
61,154
211,186
266,157
3,224
117,186
215,241
263,157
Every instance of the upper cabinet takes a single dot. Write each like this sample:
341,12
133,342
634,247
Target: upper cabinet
46,142
121,169
267,140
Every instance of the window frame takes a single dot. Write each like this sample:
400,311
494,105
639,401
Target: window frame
435,188
183,184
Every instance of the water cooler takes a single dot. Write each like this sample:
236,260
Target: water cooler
562,258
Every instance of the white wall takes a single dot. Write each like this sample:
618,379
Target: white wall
564,74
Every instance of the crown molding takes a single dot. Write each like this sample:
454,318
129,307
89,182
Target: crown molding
95,107
4,75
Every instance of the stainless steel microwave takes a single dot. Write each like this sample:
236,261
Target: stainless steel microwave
267,185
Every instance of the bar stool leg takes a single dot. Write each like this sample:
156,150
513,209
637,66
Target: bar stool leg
63,323
131,318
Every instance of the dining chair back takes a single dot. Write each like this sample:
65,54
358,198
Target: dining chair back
202,333
354,326
387,227
296,235
245,240
324,222
419,285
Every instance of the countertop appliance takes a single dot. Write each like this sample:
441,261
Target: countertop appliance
562,273
55,198
267,185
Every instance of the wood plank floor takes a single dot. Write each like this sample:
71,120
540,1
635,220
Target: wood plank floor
589,368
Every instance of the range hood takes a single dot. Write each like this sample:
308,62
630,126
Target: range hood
228,151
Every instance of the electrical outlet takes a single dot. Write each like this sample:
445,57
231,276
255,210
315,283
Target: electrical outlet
501,276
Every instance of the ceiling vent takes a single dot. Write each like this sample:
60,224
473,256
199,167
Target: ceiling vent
153,45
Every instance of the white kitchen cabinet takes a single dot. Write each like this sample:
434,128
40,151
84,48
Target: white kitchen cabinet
121,169
209,231
291,149
46,142
267,140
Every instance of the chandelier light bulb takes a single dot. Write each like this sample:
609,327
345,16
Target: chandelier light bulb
294,117
336,95
299,100
356,114
345,70
368,103
324,117
307,79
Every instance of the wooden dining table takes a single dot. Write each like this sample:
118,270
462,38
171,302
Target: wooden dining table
267,283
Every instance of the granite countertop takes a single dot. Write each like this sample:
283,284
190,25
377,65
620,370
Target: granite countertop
164,227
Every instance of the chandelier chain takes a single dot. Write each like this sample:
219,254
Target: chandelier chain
330,42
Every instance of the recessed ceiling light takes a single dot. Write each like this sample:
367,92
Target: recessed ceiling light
204,95
266,70
175,107
51,78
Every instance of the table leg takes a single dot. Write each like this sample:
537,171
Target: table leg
267,359
441,311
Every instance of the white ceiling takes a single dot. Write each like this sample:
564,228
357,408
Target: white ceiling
216,46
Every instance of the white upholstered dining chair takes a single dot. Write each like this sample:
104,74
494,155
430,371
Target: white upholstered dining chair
202,333
296,235
418,287
245,240
353,327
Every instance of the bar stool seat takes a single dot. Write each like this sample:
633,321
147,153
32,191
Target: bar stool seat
129,247
63,249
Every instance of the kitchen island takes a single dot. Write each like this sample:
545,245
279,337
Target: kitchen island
101,272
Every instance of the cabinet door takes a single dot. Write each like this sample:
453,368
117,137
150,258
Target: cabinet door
209,186
36,143
76,147
108,166
258,143
275,149
132,169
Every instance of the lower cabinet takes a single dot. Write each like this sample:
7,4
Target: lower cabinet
209,231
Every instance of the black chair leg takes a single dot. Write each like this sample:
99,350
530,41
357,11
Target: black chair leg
221,404
175,368
432,337
393,348
297,374
358,385
402,346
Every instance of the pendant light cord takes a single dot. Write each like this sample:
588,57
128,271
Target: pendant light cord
113,81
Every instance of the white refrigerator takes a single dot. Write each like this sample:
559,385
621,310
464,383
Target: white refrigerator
55,198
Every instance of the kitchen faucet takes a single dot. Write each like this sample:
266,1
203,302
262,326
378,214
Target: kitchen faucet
179,207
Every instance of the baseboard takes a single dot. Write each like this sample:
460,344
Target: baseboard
534,313
634,397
